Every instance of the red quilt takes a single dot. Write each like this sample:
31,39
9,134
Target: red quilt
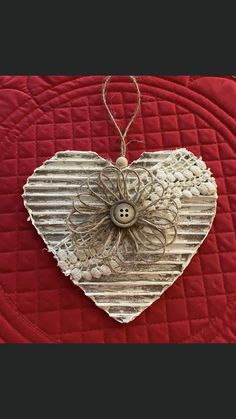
42,115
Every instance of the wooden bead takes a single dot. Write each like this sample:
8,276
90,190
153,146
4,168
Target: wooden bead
122,162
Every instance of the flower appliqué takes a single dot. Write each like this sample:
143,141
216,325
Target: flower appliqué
122,217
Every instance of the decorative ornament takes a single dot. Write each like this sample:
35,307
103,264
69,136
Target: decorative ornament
122,233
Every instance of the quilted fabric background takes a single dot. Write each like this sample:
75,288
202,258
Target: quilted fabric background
42,115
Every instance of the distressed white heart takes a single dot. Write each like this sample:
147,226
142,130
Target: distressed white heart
49,195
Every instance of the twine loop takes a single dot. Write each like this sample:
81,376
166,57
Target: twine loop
121,134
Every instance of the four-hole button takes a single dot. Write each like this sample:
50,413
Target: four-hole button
123,214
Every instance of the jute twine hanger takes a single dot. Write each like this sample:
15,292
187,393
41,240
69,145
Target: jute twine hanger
122,160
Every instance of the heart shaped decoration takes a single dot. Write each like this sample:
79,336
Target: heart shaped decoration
122,234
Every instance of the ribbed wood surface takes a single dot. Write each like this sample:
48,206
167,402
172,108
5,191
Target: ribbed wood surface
48,196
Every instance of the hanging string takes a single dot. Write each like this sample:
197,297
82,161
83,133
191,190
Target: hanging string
124,134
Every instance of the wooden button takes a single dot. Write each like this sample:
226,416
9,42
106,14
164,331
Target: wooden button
123,214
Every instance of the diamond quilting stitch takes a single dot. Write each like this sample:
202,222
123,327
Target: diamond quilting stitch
220,267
